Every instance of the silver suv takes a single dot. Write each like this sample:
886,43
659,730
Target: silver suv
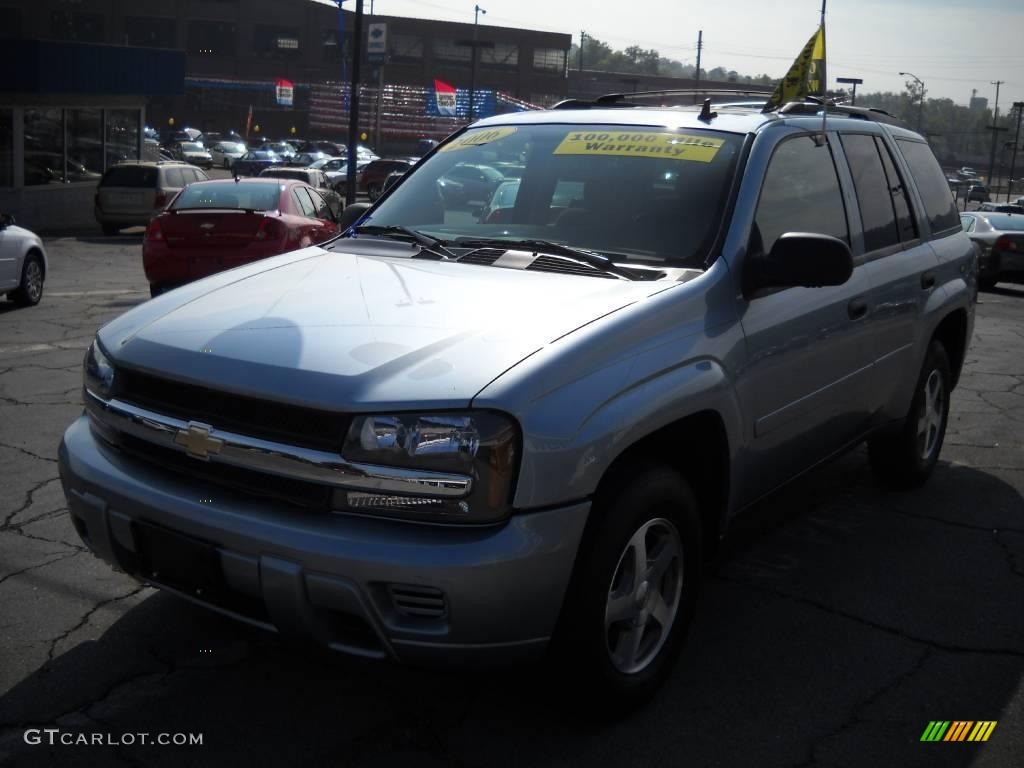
132,193
456,435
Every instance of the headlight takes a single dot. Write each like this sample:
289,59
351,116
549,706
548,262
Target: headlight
98,373
481,445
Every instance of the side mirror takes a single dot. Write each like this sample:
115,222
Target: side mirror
799,259
351,214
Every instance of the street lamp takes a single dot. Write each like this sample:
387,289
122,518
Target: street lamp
920,107
477,10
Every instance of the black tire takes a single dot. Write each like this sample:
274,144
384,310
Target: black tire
155,289
30,290
582,648
905,458
227,165
111,229
987,283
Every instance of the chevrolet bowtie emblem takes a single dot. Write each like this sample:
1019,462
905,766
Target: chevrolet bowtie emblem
197,442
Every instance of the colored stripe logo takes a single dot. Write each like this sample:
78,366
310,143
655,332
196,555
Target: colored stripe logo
958,730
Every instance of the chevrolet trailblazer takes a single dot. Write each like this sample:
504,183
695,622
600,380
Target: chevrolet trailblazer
457,434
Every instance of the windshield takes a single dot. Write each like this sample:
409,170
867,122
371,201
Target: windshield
645,194
191,146
249,196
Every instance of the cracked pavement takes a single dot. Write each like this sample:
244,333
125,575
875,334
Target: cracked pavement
839,619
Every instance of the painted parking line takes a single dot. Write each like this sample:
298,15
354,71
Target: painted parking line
77,294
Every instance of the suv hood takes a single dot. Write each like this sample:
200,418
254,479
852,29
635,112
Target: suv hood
342,331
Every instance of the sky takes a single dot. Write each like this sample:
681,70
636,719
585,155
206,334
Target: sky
953,46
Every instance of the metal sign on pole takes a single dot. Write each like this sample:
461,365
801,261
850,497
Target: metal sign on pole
377,43
854,81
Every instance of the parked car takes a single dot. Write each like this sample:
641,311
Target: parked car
445,441
336,169
224,153
314,178
193,153
391,179
282,149
467,183
23,263
978,191
131,193
306,159
217,225
1001,208
1000,239
371,180
254,161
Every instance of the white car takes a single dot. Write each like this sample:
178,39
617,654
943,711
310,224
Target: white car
23,265
224,153
335,168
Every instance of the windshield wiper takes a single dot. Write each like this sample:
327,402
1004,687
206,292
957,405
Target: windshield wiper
591,258
431,245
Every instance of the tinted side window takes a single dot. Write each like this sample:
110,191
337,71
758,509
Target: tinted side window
931,183
906,222
800,193
305,204
872,188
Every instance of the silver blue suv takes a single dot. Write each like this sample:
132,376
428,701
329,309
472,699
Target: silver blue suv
463,433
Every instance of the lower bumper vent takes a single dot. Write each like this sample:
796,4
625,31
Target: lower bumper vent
418,602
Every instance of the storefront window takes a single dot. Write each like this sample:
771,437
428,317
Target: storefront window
85,145
122,135
44,147
6,148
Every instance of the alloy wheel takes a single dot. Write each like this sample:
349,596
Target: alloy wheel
930,421
644,596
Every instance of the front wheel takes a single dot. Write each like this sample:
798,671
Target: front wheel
633,592
905,459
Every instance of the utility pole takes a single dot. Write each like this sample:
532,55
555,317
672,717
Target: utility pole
700,46
353,107
920,105
995,131
477,10
583,37
1019,106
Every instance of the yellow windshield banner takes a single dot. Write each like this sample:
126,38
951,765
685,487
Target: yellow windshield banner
674,146
477,137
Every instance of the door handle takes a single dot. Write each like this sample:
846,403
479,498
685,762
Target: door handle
857,308
927,280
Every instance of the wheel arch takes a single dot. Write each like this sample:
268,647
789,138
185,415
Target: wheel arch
697,446
951,332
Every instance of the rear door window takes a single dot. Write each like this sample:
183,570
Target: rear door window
323,210
939,206
872,187
800,194
174,178
906,222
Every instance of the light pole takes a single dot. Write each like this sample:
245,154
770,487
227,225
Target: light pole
920,106
477,10
1019,106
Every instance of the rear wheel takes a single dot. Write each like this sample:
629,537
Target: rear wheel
633,592
227,164
30,289
155,289
987,283
905,459
110,229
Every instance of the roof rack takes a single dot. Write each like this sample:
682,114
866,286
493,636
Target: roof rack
813,106
624,99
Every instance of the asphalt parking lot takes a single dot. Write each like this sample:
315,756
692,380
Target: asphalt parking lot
839,620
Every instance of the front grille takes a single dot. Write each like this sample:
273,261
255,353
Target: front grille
265,419
418,602
301,493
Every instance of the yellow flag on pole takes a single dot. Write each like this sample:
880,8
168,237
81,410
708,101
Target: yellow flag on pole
806,77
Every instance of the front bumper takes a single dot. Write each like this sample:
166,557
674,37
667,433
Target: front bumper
488,594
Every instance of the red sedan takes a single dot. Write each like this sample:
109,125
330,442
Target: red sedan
216,225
